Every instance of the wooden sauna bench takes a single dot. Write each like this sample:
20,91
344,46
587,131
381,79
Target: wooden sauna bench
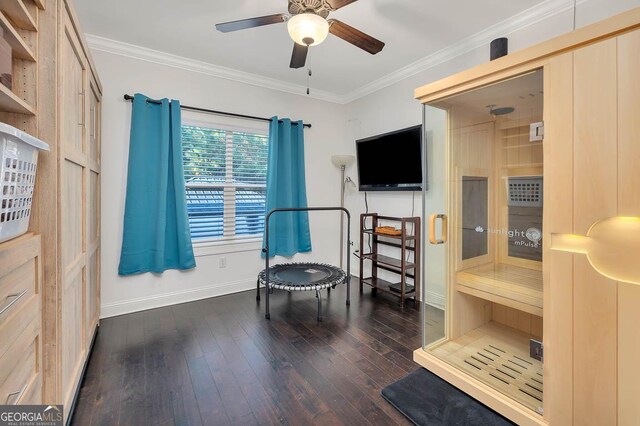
498,356
509,285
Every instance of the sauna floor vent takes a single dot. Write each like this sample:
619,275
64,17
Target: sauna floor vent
514,375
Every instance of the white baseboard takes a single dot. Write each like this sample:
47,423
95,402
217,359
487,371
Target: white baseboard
435,300
173,298
157,301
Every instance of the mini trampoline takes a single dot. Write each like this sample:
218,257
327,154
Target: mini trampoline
302,276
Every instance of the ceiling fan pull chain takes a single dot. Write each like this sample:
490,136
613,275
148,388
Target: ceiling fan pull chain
308,77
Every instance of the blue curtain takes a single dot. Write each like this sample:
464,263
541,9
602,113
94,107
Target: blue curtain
286,187
156,228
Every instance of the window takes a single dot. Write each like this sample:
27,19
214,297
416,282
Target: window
225,174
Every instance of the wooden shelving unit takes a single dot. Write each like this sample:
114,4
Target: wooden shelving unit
18,45
19,14
18,20
10,102
408,242
22,328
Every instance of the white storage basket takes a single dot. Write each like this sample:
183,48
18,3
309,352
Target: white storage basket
18,175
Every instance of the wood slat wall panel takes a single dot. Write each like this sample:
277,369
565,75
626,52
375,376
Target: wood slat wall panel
558,218
595,198
628,205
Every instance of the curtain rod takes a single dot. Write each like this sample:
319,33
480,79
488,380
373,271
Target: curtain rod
211,111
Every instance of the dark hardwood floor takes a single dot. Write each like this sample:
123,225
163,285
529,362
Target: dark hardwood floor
218,361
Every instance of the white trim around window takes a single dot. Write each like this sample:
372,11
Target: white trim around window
226,180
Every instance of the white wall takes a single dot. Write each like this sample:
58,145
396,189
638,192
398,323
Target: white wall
394,107
335,128
120,75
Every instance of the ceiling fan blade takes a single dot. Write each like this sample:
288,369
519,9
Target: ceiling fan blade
337,4
251,23
355,37
299,56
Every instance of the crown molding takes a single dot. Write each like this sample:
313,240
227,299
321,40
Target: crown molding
115,47
524,19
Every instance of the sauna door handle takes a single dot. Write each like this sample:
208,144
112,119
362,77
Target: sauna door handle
432,228
17,395
11,300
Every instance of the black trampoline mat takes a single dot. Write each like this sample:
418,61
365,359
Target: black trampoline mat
427,400
300,275
303,274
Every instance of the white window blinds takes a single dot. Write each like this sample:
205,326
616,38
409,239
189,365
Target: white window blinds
225,174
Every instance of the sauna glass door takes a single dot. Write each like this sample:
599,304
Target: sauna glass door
435,204
483,208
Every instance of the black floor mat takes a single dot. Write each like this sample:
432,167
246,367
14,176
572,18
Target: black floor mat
427,400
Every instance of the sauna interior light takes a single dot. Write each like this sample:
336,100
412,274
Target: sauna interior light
612,246
308,29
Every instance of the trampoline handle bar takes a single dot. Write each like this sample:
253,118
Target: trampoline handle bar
305,209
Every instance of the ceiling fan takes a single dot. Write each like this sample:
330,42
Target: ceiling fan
308,25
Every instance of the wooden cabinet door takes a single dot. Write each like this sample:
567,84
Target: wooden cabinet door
93,211
73,210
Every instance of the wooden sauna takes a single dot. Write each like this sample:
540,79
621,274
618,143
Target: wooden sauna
525,156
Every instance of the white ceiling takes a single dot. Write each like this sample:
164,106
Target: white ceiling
411,29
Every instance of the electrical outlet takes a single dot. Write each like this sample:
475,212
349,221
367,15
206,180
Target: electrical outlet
222,263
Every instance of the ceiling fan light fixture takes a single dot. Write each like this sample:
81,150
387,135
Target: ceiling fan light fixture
308,29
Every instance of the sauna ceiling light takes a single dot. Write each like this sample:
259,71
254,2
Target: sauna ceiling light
501,111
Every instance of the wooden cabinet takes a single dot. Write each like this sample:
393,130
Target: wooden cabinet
21,321
518,264
73,208
93,210
56,96
79,204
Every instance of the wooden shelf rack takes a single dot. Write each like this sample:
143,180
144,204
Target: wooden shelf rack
18,20
408,242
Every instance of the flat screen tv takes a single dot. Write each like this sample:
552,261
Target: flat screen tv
391,162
